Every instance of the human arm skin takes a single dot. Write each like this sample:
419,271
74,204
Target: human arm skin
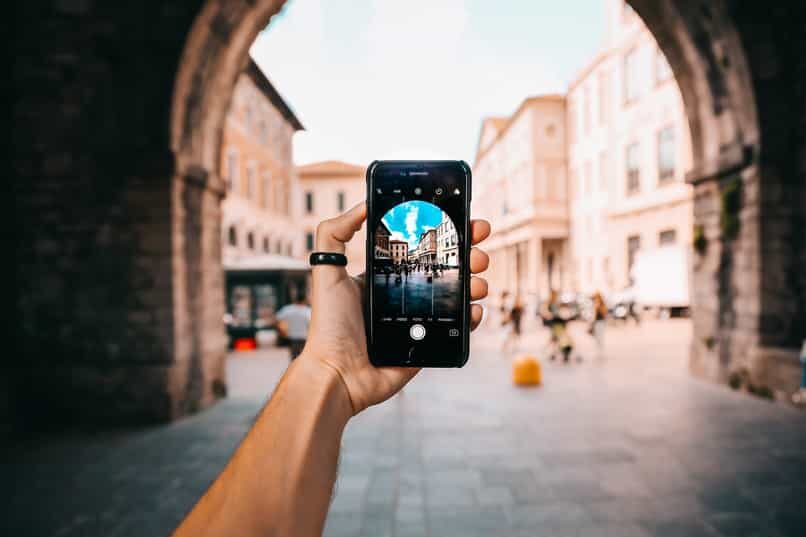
280,480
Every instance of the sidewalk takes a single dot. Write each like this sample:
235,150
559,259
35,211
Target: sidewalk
629,446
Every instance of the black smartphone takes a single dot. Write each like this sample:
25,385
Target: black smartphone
418,272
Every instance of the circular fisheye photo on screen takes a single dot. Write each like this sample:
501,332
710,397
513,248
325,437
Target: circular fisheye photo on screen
416,264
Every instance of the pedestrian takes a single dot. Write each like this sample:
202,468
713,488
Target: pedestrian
293,320
512,338
597,329
503,308
557,323
632,311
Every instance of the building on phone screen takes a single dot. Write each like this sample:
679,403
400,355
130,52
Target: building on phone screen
447,242
382,235
399,251
427,247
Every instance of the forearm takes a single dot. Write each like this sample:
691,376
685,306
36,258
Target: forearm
280,480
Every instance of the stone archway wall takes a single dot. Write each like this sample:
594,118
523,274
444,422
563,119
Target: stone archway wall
741,71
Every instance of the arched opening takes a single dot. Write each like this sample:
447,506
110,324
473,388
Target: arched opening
708,61
155,234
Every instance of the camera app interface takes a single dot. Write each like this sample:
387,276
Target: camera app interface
417,252
416,274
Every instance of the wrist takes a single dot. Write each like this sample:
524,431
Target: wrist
327,378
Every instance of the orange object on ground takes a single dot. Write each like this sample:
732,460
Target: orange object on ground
526,371
245,344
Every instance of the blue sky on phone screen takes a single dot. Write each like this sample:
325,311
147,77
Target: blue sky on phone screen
410,219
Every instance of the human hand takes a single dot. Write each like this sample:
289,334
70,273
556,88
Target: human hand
337,338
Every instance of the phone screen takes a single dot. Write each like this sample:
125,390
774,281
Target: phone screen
417,257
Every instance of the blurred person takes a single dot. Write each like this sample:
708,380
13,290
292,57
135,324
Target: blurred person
512,337
597,329
553,318
280,479
292,323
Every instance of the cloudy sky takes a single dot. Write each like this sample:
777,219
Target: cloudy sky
409,220
375,79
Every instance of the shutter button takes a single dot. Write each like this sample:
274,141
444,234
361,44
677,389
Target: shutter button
417,332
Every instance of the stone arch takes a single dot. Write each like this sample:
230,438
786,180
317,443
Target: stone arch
215,53
117,196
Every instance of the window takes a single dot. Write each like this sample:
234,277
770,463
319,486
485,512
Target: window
250,240
263,132
633,245
232,236
250,182
603,171
232,170
309,241
632,76
603,97
633,169
248,117
572,117
666,155
309,202
586,107
340,201
667,236
266,244
266,189
663,71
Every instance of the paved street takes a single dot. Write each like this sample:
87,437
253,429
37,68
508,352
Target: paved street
623,447
415,295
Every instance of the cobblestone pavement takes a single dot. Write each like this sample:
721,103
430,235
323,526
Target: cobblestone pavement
625,446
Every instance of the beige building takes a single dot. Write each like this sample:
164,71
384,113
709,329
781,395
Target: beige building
427,247
628,152
447,242
399,251
520,186
257,214
327,189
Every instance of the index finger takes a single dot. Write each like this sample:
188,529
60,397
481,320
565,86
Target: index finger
331,234
479,230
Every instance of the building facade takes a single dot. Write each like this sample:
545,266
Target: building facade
427,247
327,189
447,242
399,251
256,162
520,186
628,152
381,240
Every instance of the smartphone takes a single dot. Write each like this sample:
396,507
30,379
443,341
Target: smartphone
418,253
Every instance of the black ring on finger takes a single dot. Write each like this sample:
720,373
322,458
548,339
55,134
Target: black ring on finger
327,258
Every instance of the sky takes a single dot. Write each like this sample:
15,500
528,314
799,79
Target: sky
412,79
410,219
